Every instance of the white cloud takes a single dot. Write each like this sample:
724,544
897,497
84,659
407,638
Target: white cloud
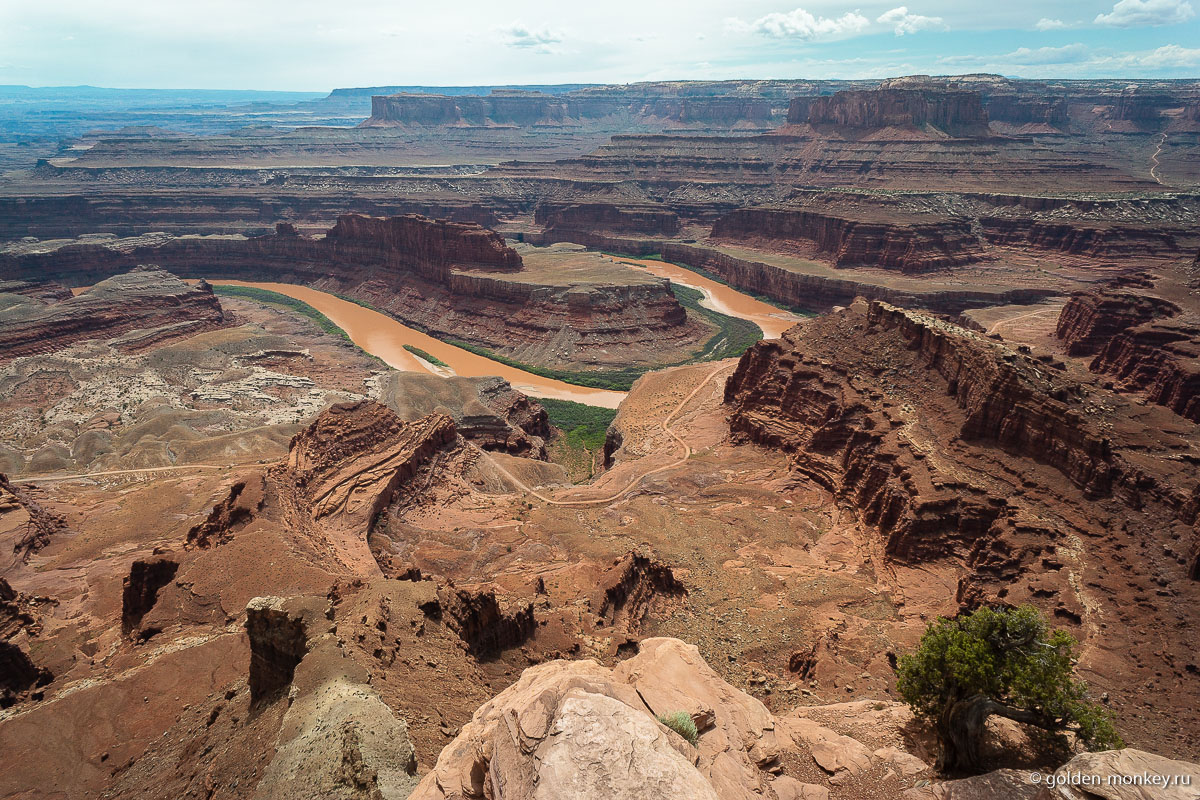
904,22
539,40
800,24
1171,55
1140,13
1045,24
1067,54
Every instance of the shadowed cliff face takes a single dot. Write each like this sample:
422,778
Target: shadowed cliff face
19,675
433,245
1147,344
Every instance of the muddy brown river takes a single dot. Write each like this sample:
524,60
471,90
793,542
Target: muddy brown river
384,337
719,297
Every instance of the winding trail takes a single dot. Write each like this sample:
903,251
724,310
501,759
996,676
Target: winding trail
685,447
1154,160
1039,313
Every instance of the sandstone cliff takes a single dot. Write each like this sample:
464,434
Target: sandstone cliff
1026,109
341,472
819,291
432,246
586,730
1089,320
954,112
19,619
531,109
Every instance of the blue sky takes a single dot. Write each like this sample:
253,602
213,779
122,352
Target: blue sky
306,45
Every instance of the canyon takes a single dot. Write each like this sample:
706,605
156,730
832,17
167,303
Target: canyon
456,280
460,442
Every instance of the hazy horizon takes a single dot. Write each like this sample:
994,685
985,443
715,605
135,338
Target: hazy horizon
306,46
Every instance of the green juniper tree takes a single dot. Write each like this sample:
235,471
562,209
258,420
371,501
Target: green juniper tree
1003,662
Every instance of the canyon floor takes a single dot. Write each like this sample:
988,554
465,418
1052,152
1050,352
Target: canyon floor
291,504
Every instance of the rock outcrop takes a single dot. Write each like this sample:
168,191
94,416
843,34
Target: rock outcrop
338,739
1141,107
909,245
245,499
28,526
1090,320
349,463
486,624
384,248
1126,774
533,109
140,592
430,246
142,308
820,291
1027,109
19,676
1160,359
340,474
577,729
786,397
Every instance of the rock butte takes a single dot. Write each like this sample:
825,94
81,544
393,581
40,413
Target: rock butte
246,558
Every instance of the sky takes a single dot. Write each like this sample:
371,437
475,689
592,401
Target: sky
301,45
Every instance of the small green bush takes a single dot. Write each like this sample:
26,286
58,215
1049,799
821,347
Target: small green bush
681,722
1005,662
430,357
585,426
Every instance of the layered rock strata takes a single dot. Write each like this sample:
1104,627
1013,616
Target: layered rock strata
956,112
1097,241
532,109
144,307
1147,344
19,675
342,471
819,291
1090,320
906,245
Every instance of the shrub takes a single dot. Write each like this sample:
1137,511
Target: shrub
681,722
430,357
1003,662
